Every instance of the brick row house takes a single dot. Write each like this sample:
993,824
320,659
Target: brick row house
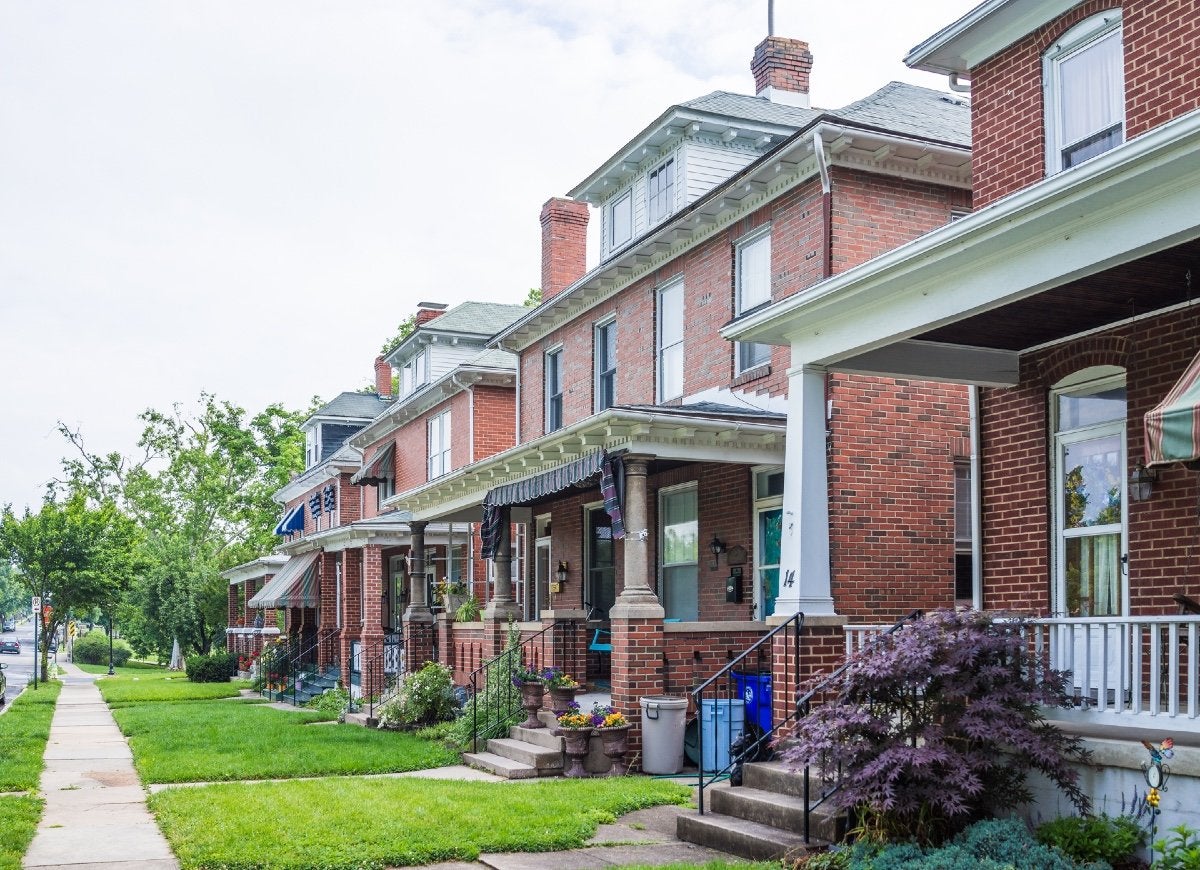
643,496
609,463
1066,304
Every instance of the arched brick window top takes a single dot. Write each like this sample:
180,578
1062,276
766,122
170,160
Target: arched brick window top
1101,350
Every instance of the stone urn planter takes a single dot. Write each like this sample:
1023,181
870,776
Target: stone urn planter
532,692
576,743
616,744
561,698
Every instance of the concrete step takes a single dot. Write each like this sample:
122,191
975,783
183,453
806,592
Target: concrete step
537,736
500,765
743,838
774,776
539,757
776,810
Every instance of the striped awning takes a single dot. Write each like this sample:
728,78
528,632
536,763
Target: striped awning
294,586
293,521
554,480
379,468
1173,427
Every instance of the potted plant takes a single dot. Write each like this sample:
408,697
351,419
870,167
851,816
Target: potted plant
613,728
576,730
452,593
529,681
562,688
468,611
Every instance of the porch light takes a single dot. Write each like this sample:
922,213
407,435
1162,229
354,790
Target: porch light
1141,483
561,573
716,547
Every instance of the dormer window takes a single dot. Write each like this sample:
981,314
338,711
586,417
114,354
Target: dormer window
312,447
414,373
660,192
1084,78
620,220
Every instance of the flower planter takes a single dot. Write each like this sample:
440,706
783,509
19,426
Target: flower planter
576,744
616,744
561,698
531,700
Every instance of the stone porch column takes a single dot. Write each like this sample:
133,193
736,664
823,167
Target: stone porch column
636,616
503,605
418,618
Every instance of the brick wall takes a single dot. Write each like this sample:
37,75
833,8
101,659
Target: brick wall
891,494
1164,532
495,420
412,442
694,656
1162,81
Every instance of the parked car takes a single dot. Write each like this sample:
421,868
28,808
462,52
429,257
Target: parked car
10,625
10,646
3,683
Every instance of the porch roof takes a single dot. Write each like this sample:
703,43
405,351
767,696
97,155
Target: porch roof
1084,249
676,433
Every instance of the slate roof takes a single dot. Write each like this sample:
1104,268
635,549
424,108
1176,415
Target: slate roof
751,108
353,405
478,318
914,111
710,409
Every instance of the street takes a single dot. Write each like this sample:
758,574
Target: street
20,668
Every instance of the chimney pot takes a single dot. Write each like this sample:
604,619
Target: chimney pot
427,311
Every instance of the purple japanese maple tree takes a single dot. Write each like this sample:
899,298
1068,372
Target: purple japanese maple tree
936,725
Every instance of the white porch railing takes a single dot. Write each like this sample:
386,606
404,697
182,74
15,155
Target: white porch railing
1132,670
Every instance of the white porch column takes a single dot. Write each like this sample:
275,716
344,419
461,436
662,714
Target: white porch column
502,606
804,549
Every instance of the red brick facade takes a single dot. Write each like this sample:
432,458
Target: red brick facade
1162,81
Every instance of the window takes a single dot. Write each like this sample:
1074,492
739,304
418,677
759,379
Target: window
752,269
1084,78
420,369
439,445
670,342
660,192
311,448
385,489
620,220
606,364
964,565
680,548
768,528
554,390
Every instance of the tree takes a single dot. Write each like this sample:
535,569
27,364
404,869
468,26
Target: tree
72,554
201,490
12,593
533,298
403,331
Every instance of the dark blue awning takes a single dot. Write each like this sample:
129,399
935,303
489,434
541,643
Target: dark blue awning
293,521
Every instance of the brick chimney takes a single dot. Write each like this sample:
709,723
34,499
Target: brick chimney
781,70
427,311
383,378
564,244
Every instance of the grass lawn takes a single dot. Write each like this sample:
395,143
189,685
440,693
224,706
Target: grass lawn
343,823
23,733
18,822
201,741
150,683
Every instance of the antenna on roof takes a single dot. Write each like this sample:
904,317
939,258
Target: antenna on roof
770,17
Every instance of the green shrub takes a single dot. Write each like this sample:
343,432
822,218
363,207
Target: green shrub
425,697
92,649
1093,838
216,667
993,844
331,701
1180,850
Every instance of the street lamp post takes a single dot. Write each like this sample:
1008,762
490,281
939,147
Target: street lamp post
110,633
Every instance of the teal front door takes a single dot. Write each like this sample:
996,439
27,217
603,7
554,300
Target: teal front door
770,528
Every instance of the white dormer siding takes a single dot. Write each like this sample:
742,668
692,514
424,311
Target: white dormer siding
441,356
699,165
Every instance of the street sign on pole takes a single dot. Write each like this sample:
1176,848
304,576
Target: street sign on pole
37,603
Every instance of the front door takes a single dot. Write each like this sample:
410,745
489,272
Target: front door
599,591
770,528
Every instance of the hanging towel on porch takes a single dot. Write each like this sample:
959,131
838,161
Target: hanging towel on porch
612,487
1173,427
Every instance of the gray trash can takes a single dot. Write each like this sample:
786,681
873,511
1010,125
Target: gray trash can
662,733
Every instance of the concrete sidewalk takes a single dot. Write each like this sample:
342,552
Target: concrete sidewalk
96,814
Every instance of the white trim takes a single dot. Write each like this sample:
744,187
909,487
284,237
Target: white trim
556,351
1083,37
675,283
601,324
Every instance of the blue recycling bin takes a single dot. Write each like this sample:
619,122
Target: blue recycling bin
722,721
755,690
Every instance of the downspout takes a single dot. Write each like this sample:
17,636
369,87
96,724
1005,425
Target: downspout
826,203
957,86
976,501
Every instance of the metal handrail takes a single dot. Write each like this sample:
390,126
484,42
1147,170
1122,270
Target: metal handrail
505,701
377,684
311,653
804,707
794,623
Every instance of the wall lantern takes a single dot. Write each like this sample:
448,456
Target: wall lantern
716,547
560,576
1141,483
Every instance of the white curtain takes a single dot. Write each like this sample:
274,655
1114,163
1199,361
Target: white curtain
1091,84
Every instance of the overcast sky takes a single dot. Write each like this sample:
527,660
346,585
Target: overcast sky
247,197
